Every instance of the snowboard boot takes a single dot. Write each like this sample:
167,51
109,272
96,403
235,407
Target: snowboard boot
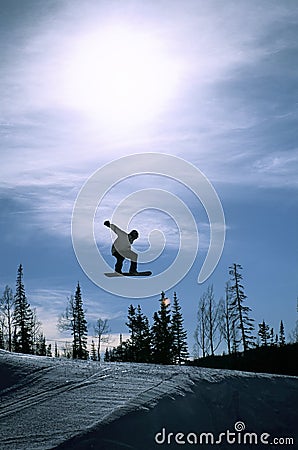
133,268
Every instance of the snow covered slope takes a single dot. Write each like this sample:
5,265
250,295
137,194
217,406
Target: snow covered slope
48,403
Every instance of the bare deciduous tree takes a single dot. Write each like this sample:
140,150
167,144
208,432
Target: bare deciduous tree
200,333
208,334
213,321
101,330
7,304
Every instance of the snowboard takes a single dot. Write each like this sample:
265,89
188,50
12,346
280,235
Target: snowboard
127,274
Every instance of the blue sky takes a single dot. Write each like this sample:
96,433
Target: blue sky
214,83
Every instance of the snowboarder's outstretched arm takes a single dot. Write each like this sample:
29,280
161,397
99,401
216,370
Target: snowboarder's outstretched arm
114,228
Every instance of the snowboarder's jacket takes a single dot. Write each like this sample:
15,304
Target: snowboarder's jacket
122,244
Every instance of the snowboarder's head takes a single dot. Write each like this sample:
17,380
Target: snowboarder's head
133,235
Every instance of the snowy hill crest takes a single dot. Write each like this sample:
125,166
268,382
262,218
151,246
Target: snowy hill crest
57,403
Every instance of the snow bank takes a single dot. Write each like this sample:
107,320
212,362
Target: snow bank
48,403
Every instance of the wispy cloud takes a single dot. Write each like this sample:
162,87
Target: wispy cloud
279,165
227,53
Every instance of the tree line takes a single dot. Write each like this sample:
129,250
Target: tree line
164,342
228,322
20,329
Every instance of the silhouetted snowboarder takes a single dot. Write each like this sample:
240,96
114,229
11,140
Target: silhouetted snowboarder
121,248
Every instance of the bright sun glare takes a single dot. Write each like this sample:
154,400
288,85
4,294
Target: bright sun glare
119,76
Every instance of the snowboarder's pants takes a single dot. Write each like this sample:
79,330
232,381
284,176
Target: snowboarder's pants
128,254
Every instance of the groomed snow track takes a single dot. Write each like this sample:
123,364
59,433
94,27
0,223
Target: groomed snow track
48,403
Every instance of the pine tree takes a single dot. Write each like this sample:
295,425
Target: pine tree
49,351
22,318
73,319
57,355
282,339
142,337
131,321
138,348
107,355
119,353
235,339
132,326
40,345
264,333
244,322
80,327
7,305
272,343
14,339
93,354
276,340
162,335
180,351
112,355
